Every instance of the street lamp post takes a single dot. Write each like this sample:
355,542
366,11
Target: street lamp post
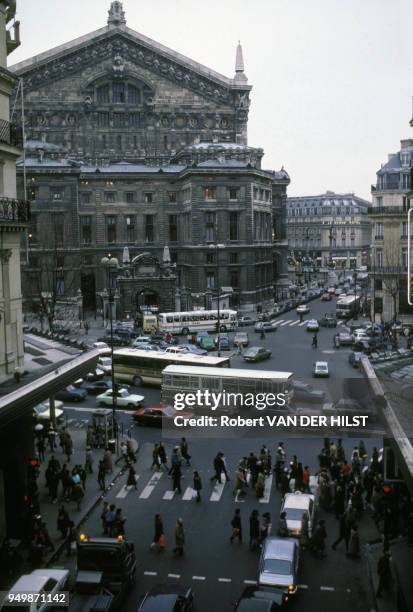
111,264
217,248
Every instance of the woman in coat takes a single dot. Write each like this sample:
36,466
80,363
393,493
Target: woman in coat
197,486
159,537
179,538
254,530
131,482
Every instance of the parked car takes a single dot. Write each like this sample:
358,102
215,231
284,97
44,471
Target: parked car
345,339
264,326
71,394
146,346
41,412
278,565
321,369
45,581
303,309
295,505
354,358
196,350
103,348
168,598
115,340
245,321
176,350
206,342
326,297
359,334
95,375
105,364
123,398
157,415
241,338
259,599
256,353
224,344
328,320
312,325
142,340
303,392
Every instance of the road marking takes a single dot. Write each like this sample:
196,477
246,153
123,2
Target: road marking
198,577
224,579
168,495
92,408
218,489
279,321
150,573
126,488
328,352
267,490
286,322
174,575
324,588
250,582
294,322
189,494
303,323
239,499
151,485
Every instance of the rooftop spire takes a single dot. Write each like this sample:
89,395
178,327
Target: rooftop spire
240,77
116,14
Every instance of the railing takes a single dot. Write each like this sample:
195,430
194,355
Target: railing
14,210
11,134
387,210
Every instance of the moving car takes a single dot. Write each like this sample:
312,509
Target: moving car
48,581
295,505
345,339
312,325
245,321
256,353
71,394
206,342
303,309
105,364
191,348
265,326
224,344
123,398
304,392
325,297
321,369
41,412
354,359
259,599
168,598
278,565
241,338
103,348
157,415
97,374
98,387
328,320
359,334
114,340
145,346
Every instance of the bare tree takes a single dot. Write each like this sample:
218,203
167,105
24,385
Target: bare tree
393,270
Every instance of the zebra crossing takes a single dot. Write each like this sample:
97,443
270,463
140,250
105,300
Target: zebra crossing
298,323
214,495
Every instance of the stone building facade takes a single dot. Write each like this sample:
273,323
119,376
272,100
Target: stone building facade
329,228
391,195
132,144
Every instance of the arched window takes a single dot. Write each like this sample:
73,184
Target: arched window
102,94
134,94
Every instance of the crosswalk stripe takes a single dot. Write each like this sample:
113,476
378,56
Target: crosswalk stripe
151,485
286,322
126,488
168,495
218,489
267,490
189,494
303,323
278,322
294,322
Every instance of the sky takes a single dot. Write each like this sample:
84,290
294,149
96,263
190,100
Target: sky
332,79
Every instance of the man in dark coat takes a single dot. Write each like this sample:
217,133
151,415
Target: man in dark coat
344,532
176,477
254,530
318,540
384,572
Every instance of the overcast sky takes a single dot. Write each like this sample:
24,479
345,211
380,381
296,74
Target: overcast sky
332,79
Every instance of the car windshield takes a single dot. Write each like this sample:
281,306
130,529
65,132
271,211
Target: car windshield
277,566
70,388
321,366
294,514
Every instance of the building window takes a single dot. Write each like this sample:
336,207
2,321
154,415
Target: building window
173,228
405,159
109,197
56,193
130,197
103,120
379,231
234,278
172,197
233,193
104,143
379,201
102,94
119,120
233,258
134,95
378,284
118,92
32,193
148,197
58,228
210,259
210,222
233,226
404,258
86,230
87,260
149,228
134,120
130,229
85,197
110,228
119,142
33,229
210,193
404,230
379,258
378,305
210,279
352,242
405,181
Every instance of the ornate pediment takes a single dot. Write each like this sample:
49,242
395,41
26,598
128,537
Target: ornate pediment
119,46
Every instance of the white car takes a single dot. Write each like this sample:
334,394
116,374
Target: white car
49,581
312,325
175,350
105,364
123,398
42,411
321,369
360,334
102,348
295,505
303,309
142,340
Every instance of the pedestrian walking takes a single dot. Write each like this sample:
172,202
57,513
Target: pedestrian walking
282,525
179,538
107,461
71,538
110,520
218,468
120,520
236,527
176,478
260,485
66,481
240,482
306,479
105,510
305,531
155,457
197,485
185,452
40,445
78,494
354,546
265,527
162,456
254,530
159,542
63,521
384,572
102,475
68,447
314,343
318,539
131,482
89,460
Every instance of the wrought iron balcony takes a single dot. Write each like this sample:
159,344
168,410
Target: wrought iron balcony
11,134
387,210
13,210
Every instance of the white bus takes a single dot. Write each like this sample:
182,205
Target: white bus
189,379
189,322
145,367
347,306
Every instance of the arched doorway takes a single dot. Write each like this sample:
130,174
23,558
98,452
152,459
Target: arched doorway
147,298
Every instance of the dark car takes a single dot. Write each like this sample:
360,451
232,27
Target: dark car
304,392
100,386
115,340
256,353
168,598
328,321
157,415
354,359
223,343
259,599
71,394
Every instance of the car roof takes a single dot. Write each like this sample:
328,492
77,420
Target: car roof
297,500
279,548
321,364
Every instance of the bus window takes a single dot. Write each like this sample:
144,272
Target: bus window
168,320
177,318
